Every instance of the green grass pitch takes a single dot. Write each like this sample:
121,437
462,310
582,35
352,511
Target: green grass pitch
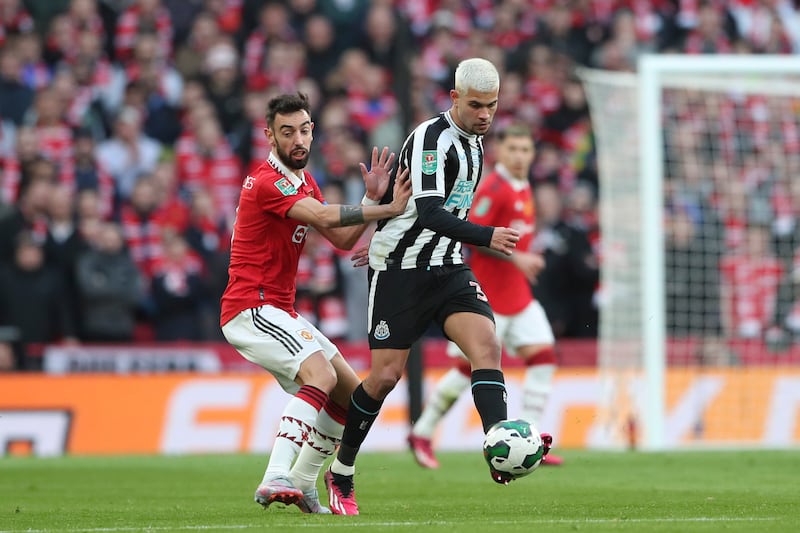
730,491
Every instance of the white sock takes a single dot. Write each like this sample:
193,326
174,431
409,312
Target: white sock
338,467
321,444
444,395
536,388
296,422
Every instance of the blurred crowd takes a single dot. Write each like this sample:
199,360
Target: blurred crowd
128,126
732,216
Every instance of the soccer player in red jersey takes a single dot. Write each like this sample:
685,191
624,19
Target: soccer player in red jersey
278,204
503,198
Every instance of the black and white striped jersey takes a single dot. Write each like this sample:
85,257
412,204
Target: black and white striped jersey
446,162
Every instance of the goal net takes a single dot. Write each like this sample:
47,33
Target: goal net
699,166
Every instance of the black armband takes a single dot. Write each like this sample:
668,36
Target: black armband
351,215
433,217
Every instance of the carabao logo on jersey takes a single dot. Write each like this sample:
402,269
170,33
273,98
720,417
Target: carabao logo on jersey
429,161
381,331
286,187
483,206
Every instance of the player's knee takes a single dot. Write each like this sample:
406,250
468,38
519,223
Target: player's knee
383,381
490,346
485,353
539,355
321,376
327,379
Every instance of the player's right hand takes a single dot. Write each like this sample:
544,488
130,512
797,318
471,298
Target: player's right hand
376,177
402,192
504,240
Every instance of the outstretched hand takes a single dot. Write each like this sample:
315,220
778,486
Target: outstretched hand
376,177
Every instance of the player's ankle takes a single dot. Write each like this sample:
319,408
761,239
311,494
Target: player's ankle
337,467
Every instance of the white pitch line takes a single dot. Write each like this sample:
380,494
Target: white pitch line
344,522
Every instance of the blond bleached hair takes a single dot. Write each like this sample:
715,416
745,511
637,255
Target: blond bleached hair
477,74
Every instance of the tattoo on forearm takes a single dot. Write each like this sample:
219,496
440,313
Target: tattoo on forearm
351,215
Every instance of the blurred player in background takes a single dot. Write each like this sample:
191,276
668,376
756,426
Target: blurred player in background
417,275
278,203
504,198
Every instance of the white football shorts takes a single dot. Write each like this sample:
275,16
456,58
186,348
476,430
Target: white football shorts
528,327
276,341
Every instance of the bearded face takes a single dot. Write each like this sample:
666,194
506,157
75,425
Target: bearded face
291,137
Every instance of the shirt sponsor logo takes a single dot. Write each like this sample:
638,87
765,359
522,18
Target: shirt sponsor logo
299,234
286,187
460,196
429,161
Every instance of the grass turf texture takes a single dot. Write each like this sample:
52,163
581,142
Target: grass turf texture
687,491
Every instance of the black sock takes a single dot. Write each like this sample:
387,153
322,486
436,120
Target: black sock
362,413
489,395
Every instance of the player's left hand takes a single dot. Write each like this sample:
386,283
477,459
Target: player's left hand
360,257
504,240
376,178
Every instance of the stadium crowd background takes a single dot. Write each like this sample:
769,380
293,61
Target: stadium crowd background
128,125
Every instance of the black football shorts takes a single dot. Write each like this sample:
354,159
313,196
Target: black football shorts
403,303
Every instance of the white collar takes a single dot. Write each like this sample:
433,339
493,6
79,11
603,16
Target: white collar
457,128
517,185
278,165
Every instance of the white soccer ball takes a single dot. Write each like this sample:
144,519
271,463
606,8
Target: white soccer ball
513,447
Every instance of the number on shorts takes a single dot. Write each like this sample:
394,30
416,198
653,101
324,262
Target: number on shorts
481,296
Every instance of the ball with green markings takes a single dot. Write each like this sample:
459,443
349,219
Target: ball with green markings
513,448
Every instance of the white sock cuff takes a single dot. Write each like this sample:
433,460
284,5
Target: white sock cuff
302,411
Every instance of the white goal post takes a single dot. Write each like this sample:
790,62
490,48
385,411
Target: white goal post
627,111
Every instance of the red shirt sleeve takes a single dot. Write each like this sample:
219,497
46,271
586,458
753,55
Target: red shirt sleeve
278,195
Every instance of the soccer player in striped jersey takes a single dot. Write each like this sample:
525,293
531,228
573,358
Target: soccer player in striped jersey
278,204
417,274
503,198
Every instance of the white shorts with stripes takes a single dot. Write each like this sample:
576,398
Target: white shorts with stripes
276,341
529,327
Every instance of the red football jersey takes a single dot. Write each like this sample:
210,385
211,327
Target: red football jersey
266,244
753,291
503,201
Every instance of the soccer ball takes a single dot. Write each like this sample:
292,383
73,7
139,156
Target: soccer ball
513,448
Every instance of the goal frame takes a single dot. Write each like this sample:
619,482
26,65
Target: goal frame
654,73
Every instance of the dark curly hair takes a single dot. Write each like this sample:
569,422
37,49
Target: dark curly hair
286,104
